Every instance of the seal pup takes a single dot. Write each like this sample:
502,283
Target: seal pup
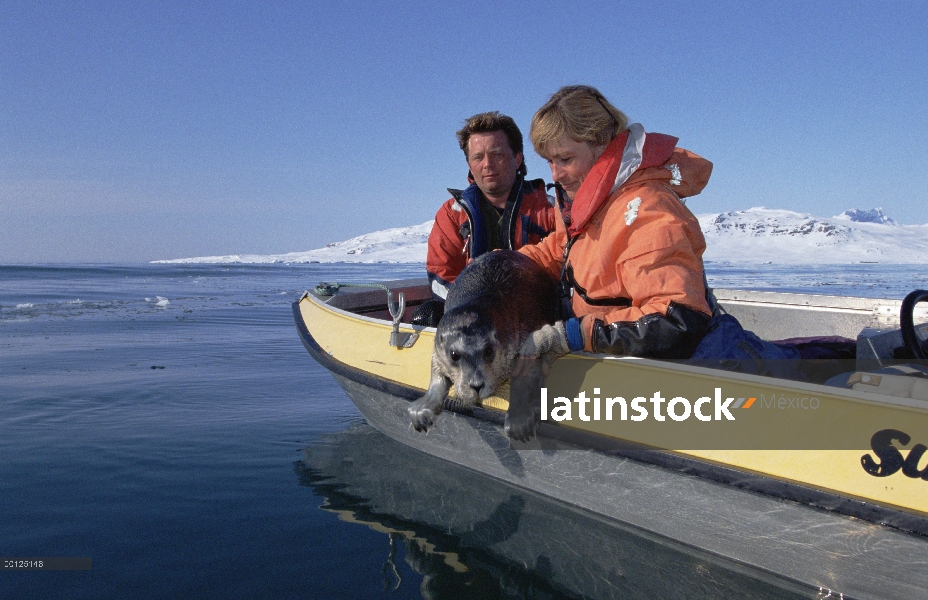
494,305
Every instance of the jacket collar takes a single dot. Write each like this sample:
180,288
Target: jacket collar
470,199
628,153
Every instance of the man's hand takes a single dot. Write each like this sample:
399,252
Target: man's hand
548,343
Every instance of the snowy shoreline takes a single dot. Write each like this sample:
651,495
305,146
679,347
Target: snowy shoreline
754,236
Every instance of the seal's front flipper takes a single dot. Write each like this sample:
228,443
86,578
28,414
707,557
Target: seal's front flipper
525,403
423,411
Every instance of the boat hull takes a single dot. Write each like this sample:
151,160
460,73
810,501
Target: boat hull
778,446
798,504
807,545
462,528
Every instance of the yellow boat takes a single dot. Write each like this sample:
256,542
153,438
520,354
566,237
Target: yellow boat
832,481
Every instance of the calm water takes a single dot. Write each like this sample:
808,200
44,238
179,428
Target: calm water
167,422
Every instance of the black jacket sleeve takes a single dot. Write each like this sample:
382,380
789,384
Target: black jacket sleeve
674,335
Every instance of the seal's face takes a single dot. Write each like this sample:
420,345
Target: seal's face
494,305
469,354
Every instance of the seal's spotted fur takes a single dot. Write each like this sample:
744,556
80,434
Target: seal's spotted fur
493,306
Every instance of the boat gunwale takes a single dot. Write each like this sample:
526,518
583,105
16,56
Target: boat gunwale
359,316
805,386
704,468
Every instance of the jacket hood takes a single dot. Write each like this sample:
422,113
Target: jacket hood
636,157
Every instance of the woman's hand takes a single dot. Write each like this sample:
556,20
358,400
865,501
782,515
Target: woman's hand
548,343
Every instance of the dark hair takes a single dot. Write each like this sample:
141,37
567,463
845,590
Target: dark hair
489,122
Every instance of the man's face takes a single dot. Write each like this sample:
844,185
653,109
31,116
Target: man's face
492,163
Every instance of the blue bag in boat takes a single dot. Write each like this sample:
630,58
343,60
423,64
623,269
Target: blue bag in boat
727,345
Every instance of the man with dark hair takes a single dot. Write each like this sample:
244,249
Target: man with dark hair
500,209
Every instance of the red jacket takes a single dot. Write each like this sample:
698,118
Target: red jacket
458,237
635,263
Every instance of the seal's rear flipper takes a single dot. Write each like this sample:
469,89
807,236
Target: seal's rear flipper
525,403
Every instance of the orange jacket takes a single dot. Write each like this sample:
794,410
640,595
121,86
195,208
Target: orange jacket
636,254
458,235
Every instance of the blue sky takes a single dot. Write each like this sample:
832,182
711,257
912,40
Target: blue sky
134,131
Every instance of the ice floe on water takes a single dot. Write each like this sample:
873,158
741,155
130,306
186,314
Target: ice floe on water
158,301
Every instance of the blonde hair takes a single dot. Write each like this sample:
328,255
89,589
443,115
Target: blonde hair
581,113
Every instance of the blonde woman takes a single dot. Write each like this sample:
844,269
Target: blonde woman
626,249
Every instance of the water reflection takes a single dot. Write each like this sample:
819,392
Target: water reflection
470,536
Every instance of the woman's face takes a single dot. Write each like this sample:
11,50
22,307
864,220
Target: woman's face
570,162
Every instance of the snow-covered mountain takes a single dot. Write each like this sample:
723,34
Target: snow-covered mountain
787,237
874,215
756,235
398,245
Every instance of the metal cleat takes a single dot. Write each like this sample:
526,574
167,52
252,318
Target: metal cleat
399,339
